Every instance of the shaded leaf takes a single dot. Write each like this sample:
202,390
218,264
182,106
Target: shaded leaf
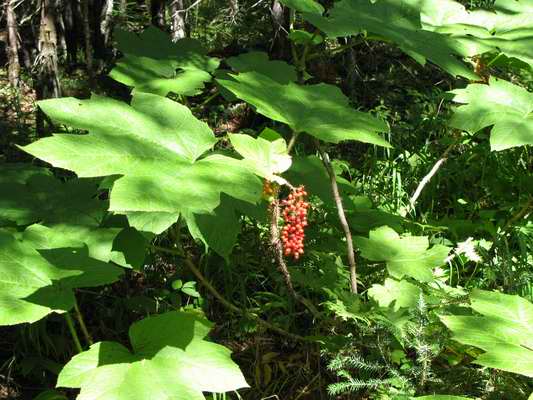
397,21
319,110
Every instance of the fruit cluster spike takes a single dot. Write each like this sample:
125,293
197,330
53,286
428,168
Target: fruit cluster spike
295,219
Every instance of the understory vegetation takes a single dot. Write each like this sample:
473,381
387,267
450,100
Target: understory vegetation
288,199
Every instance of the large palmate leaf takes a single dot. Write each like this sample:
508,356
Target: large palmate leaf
304,6
397,21
151,62
258,61
265,158
319,110
154,145
31,194
507,30
99,242
506,107
405,256
397,293
440,397
37,276
153,76
154,43
162,366
504,331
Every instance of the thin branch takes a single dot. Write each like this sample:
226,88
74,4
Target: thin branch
425,180
342,216
211,289
520,214
187,9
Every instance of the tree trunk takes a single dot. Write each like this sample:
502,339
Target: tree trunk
12,45
178,28
157,11
88,42
106,21
280,48
47,85
234,9
62,52
72,30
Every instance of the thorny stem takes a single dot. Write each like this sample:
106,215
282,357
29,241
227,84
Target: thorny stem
211,289
342,216
83,327
73,332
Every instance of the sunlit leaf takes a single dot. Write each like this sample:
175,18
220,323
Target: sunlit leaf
397,21
404,256
506,107
179,366
504,331
154,145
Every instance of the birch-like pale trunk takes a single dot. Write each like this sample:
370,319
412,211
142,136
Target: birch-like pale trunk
106,19
47,73
12,45
178,28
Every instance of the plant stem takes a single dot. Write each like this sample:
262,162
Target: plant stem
292,141
210,288
73,332
425,180
520,214
342,216
83,327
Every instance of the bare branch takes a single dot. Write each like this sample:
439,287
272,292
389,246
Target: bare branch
342,216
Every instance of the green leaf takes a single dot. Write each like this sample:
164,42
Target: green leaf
156,222
132,244
51,395
504,331
303,37
507,31
265,158
37,276
319,110
440,397
397,21
405,256
153,43
162,367
401,294
304,6
218,230
258,61
154,144
150,75
31,194
503,105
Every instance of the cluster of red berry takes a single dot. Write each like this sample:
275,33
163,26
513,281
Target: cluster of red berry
295,218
